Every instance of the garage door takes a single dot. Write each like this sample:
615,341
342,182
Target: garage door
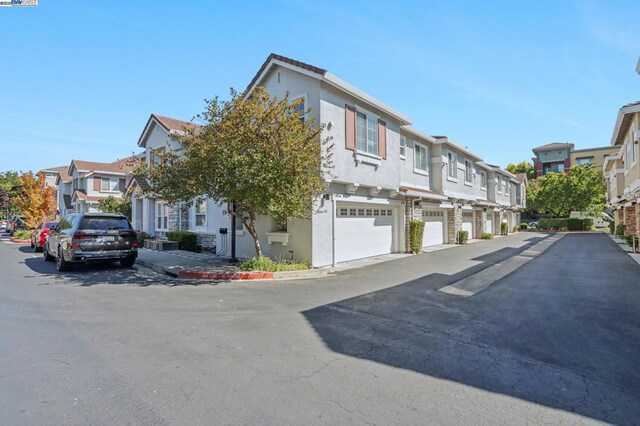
467,223
363,231
434,225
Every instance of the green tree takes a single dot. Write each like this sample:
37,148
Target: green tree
257,152
33,199
522,167
115,205
582,188
8,180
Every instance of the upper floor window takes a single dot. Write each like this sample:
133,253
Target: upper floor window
420,158
468,171
201,213
301,108
507,186
453,165
631,154
367,133
483,179
499,184
584,160
156,157
109,184
403,147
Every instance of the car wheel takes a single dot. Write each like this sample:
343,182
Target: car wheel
128,262
61,264
46,255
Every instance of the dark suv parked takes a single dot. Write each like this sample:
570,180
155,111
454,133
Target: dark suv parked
85,237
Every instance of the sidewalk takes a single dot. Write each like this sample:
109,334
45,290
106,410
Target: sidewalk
189,265
624,246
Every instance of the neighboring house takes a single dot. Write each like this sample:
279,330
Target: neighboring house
622,169
87,182
559,157
385,174
154,215
64,185
51,179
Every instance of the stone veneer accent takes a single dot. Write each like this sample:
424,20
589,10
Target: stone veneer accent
411,212
619,216
454,223
480,218
630,220
207,241
497,223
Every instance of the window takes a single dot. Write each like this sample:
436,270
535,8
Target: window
507,186
369,212
403,147
584,160
108,184
499,184
376,212
156,157
162,215
420,158
300,108
201,213
468,171
352,212
360,212
367,133
343,211
631,155
483,179
239,225
453,165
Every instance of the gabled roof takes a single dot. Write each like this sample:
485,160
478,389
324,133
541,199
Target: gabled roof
446,141
324,76
623,122
54,169
124,165
553,146
170,125
521,177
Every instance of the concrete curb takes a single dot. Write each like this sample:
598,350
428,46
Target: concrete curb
232,276
18,241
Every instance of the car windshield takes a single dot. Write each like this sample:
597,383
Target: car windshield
104,224
50,224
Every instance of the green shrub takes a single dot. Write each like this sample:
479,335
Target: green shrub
463,237
22,234
416,232
577,224
186,240
628,239
515,229
266,264
553,224
504,228
620,230
612,227
524,226
486,236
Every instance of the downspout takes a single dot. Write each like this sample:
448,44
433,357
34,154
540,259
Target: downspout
333,231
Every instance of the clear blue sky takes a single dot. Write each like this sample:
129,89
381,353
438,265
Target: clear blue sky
80,78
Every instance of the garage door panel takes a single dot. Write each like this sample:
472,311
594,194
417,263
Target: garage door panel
363,231
467,223
434,225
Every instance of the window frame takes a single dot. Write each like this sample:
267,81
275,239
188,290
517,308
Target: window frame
368,117
103,180
196,213
305,105
416,169
452,161
468,172
483,179
163,218
403,147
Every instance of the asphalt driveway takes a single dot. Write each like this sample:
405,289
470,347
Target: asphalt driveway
554,341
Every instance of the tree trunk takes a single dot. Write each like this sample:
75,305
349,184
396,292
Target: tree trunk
251,229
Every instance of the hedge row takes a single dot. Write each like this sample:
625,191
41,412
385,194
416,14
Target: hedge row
186,240
571,224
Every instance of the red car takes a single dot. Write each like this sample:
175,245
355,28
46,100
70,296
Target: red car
39,236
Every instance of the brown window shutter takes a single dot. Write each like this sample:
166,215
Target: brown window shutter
122,184
350,127
382,139
97,183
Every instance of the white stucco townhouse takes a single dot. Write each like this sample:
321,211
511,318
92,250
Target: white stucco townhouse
385,173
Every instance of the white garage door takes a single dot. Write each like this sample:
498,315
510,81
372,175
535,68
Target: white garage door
434,225
363,231
467,223
488,226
